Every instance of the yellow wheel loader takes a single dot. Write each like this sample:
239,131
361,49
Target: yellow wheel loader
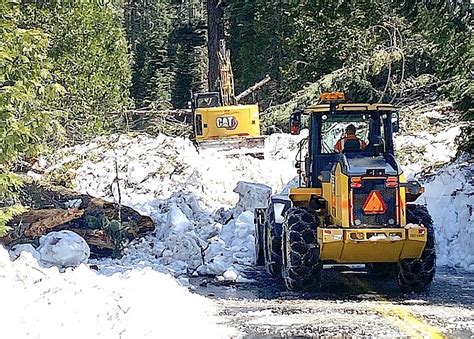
352,205
220,122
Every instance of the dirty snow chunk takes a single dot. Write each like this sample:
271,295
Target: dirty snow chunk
230,275
16,251
251,196
63,249
177,220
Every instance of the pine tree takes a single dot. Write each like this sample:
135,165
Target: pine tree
88,52
27,119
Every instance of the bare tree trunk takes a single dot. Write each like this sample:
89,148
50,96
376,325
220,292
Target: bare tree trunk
215,32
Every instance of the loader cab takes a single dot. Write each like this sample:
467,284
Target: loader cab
327,122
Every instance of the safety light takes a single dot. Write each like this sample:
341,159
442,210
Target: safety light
374,204
391,182
356,182
333,96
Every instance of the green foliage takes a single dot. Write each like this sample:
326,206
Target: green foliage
88,52
187,43
26,92
298,43
119,232
148,25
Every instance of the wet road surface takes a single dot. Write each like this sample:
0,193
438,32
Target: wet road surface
350,303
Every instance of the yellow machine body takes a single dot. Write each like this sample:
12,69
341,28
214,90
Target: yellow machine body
223,122
341,243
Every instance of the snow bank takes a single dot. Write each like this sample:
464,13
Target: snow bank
449,197
202,203
424,150
43,303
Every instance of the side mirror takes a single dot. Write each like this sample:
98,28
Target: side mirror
395,123
295,123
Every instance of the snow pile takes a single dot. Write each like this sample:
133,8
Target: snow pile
424,150
190,240
202,203
203,226
450,201
152,169
44,303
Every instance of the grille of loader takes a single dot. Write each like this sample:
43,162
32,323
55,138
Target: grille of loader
388,195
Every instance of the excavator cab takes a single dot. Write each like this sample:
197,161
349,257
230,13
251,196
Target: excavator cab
205,100
350,206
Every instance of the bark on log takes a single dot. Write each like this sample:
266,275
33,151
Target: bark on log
215,33
95,219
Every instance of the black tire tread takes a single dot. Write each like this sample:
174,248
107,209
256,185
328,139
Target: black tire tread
416,275
301,268
271,244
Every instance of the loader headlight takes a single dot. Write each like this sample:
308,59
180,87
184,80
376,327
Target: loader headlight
357,222
391,221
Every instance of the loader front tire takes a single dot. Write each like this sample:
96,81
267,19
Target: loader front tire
301,268
416,275
271,243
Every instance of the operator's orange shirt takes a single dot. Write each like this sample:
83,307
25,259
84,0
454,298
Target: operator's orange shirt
340,144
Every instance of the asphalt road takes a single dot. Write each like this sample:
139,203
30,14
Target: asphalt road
350,303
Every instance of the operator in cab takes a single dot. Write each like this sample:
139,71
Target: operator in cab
350,142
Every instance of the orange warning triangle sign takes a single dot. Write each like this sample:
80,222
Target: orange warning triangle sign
374,204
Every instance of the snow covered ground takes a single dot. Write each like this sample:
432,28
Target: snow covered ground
40,302
202,203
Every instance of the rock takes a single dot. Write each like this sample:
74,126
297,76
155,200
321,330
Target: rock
63,249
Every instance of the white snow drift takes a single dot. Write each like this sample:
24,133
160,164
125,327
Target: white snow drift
141,303
450,200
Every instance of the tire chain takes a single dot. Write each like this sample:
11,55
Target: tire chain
301,268
416,274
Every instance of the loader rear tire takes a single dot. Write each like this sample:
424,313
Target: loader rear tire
416,275
271,244
301,268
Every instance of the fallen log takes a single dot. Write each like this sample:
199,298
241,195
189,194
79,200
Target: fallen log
106,226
